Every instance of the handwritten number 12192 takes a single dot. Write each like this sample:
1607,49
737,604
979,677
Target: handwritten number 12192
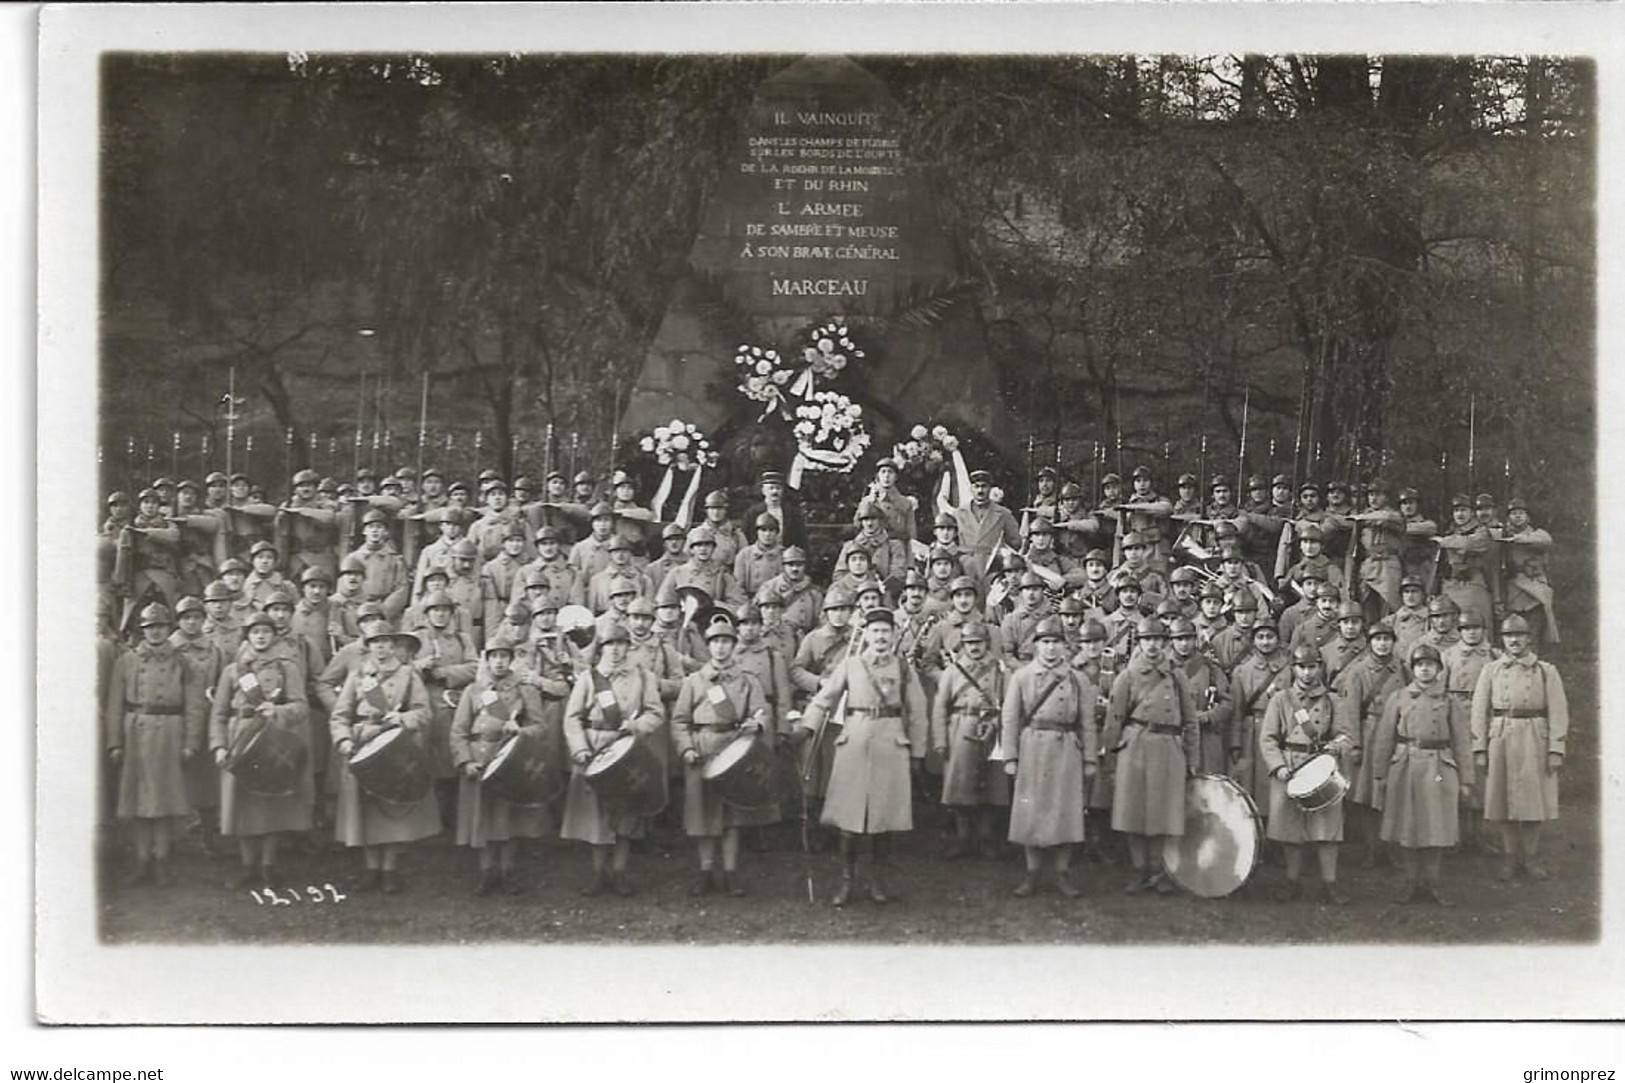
312,893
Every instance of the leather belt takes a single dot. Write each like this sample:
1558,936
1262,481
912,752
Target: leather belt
1519,713
875,712
1427,745
1053,728
1156,727
602,727
1299,746
136,708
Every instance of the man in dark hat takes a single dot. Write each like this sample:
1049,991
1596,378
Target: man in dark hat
983,525
778,503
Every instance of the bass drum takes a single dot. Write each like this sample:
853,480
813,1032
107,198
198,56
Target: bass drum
1223,839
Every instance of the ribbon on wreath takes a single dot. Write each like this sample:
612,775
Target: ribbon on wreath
953,490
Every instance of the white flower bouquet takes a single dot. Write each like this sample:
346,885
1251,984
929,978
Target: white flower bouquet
764,376
829,431
681,445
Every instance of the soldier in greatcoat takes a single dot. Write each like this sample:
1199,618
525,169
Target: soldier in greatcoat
966,712
886,731
1253,681
762,559
1361,692
802,599
1422,765
1302,722
984,526
383,693
718,704
497,706
1049,743
1152,727
1465,552
1464,660
612,699
1520,727
262,687
386,580
206,659
446,661
1210,692
1525,590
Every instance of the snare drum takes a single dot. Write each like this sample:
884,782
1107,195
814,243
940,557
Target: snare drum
268,761
392,767
520,773
745,773
628,777
1316,783
1223,839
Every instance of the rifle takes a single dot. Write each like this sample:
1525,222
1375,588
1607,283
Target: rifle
1241,457
1472,438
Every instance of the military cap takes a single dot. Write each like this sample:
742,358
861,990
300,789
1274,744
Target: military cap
432,472
839,597
436,599
370,611
1266,622
1306,655
118,496
640,607
1281,480
503,642
1041,525
1335,486
1244,601
794,555
868,509
148,494
672,530
962,582
1151,628
547,603
1310,532
870,586
559,474
616,544
1211,589
1141,471
352,565
1328,589
1514,624
913,578
621,477
720,626
534,577
261,546
880,615
215,477
1135,540
1470,618
458,486
495,485
327,485
306,477
1097,554
1411,581
217,591
1071,604
1186,480
1484,500
769,595
1219,481
232,564
1048,472
465,549
390,483
162,483
436,571
517,611
344,490
1517,503
488,474
1168,609
188,484
940,552
767,521
259,618
1071,491
749,613
716,498
945,518
1183,574
364,474
1110,479
376,515
1441,605
583,477
1128,582
980,475
547,534
701,535
188,604
857,551
1225,529
279,597
315,574
1257,481
620,584
773,477
1350,610
1312,575
1380,628
1461,500
400,635
1309,486
516,529
1092,630
601,510
1426,652
1408,494
1228,550
1379,485
1181,628
1049,628
974,631
1030,579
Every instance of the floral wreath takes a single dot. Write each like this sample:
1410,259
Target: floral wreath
831,348
926,451
829,431
680,445
764,375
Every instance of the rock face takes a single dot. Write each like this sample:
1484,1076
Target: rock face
819,215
